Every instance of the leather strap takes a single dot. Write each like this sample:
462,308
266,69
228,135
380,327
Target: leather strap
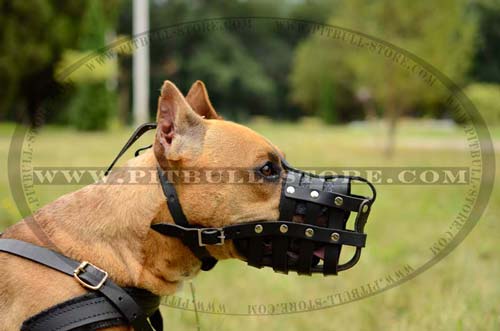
92,276
174,206
156,320
136,135
211,236
349,202
287,210
312,212
336,219
90,311
207,261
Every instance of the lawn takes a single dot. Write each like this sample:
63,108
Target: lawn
459,293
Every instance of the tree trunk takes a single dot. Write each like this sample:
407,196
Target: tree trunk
392,121
392,116
124,97
370,111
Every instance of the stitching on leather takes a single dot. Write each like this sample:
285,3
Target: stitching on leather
67,309
81,319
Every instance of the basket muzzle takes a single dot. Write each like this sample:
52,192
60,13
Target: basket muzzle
312,226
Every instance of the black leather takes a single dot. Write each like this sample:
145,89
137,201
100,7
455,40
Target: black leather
270,228
174,206
118,297
91,312
313,211
136,135
287,209
350,202
337,219
86,312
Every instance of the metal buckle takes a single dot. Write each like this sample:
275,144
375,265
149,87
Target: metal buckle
81,268
222,237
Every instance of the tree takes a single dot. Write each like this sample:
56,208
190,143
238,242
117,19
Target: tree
486,65
93,102
245,70
33,35
445,41
486,97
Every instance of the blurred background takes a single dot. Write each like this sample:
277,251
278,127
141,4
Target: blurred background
248,73
323,102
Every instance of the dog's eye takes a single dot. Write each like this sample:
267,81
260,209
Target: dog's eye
268,169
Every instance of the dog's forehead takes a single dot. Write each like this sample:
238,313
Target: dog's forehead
242,138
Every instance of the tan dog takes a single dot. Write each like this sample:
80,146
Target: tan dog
109,225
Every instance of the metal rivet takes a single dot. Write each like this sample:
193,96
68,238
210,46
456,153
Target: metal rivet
335,236
339,201
283,228
314,194
290,190
365,208
259,228
309,232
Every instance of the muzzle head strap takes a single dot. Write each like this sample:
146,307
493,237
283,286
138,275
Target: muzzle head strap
174,206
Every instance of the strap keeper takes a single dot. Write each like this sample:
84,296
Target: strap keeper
81,268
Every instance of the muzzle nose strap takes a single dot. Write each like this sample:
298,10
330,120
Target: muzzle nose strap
313,211
336,220
287,210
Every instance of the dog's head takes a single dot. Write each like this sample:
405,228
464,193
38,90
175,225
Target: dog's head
231,176
224,173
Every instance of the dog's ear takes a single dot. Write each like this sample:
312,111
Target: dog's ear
197,98
180,130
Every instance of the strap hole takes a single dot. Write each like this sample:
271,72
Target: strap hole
120,298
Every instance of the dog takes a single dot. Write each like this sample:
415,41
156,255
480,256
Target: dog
110,225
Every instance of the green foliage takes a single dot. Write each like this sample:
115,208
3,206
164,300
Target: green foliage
327,102
486,98
91,107
82,74
320,84
486,65
93,102
245,69
233,70
445,41
33,36
256,71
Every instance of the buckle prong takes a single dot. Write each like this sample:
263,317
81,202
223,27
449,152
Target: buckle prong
81,268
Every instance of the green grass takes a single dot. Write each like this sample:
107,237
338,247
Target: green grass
459,293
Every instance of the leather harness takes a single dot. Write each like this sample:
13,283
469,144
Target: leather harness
312,245
107,305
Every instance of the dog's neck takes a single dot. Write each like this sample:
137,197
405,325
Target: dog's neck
109,225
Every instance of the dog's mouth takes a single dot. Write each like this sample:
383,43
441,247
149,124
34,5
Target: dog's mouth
292,253
293,247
